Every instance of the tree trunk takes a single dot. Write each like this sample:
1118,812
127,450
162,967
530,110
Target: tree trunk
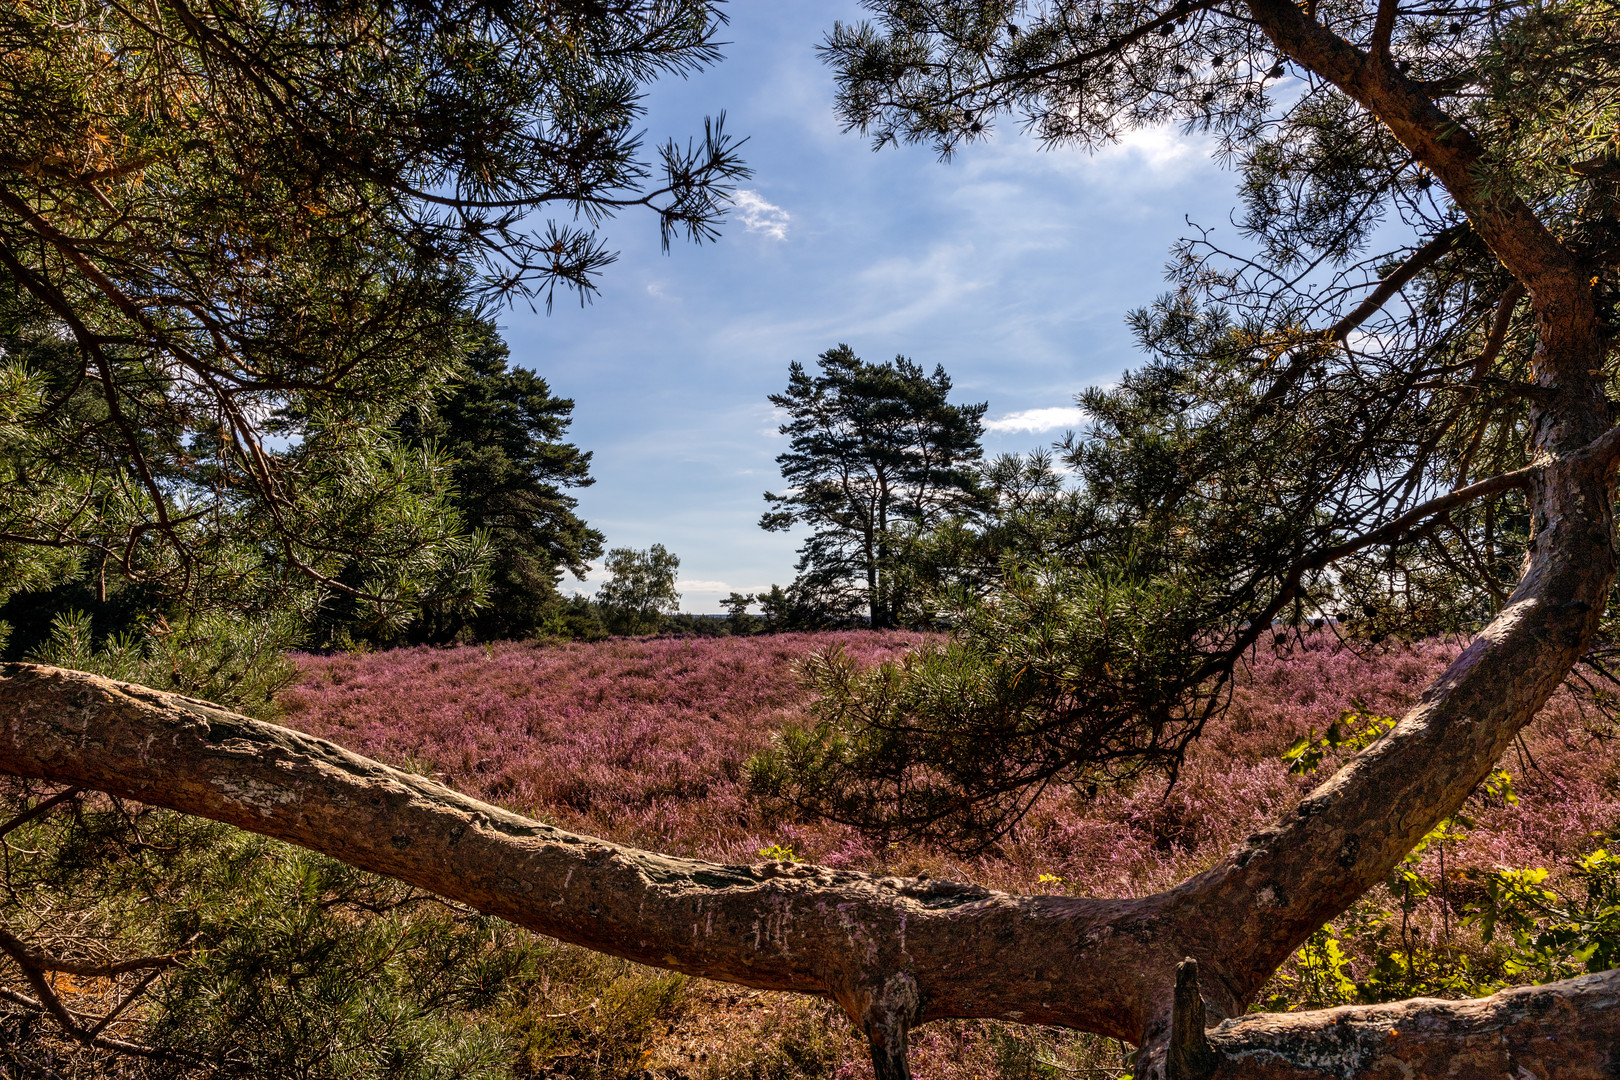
874,606
1561,1031
892,952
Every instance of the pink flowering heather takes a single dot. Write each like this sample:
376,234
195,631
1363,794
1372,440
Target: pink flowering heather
644,741
639,740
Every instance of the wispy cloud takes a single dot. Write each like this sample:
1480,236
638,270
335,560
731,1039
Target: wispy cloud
1049,419
690,585
758,215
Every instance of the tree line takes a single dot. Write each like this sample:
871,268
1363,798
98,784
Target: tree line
878,460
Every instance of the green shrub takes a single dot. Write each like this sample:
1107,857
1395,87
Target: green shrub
297,966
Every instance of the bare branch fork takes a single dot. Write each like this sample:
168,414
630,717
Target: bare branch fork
35,965
1420,260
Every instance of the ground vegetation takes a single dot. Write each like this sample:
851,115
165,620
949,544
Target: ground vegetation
649,742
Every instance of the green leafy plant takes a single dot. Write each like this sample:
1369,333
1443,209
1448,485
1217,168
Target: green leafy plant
779,853
1354,730
1556,933
1371,954
639,593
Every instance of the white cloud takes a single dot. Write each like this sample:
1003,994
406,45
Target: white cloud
1160,154
760,216
688,585
1049,419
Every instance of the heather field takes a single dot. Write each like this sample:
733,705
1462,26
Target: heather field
644,741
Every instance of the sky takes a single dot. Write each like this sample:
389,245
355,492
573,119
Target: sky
1012,266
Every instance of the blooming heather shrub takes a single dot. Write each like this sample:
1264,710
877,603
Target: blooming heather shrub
640,740
643,742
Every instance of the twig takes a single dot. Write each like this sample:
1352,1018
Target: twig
29,815
102,1042
34,964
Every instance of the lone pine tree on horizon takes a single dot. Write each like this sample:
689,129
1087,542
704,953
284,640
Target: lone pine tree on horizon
875,450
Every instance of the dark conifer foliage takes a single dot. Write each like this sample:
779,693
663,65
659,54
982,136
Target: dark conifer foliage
502,430
238,241
877,451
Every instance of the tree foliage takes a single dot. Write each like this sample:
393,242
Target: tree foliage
501,429
876,449
1069,675
237,243
640,590
1334,423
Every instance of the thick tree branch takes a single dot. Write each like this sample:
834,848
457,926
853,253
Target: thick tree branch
1383,29
1415,518
1561,1031
1421,259
892,952
1188,1055
1558,285
1418,517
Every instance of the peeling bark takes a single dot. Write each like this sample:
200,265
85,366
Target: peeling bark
1561,1031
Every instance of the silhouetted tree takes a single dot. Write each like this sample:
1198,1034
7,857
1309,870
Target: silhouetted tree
876,448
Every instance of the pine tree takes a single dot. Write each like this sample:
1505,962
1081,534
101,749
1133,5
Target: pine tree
502,431
231,258
876,450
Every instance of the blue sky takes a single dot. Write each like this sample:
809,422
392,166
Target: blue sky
1012,266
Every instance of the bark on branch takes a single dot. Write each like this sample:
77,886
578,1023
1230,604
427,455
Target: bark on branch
1420,260
893,952
1561,1031
1189,1055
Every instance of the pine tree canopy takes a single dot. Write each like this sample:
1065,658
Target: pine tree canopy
1346,409
877,451
237,242
501,432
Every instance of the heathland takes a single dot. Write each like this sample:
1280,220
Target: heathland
647,742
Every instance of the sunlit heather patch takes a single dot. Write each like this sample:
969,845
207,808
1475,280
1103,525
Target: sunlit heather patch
643,741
